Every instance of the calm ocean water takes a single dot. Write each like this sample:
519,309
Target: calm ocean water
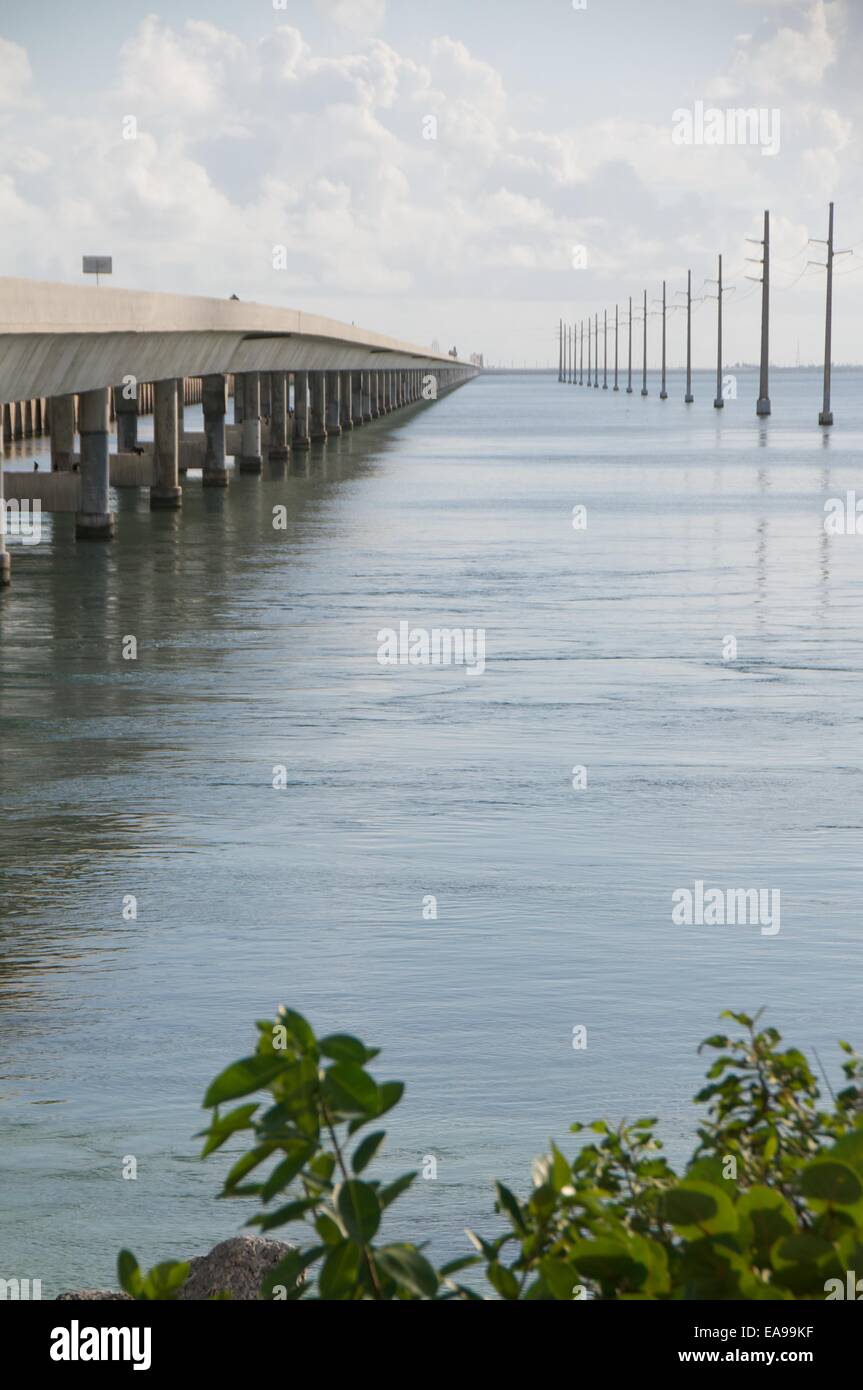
257,647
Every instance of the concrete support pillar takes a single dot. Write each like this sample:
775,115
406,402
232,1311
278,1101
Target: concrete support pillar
5,562
126,412
317,407
251,459
165,490
62,433
301,438
181,406
346,417
94,521
213,395
334,403
366,394
266,406
357,398
239,394
278,450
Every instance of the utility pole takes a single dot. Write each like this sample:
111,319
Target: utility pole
688,398
663,394
616,330
763,406
596,352
581,354
574,377
605,349
589,339
826,415
718,401
629,376
560,353
644,351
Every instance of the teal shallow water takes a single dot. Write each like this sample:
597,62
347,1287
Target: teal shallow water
258,647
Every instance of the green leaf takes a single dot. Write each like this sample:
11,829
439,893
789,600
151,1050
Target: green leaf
344,1048
224,1126
329,1232
359,1209
388,1194
165,1280
609,1261
293,1211
509,1204
561,1173
240,1078
285,1172
340,1272
289,1273
832,1182
365,1152
695,1209
246,1163
463,1262
408,1268
129,1273
559,1276
503,1280
765,1217
801,1250
351,1090
297,1028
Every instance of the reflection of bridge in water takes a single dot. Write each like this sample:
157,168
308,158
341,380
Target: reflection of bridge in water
71,359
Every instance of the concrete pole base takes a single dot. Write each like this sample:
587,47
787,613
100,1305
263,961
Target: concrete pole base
217,477
604,386
616,388
250,464
644,390
629,390
278,455
5,567
825,417
319,438
663,395
367,419
165,499
304,442
688,399
333,430
763,406
348,425
94,526
718,404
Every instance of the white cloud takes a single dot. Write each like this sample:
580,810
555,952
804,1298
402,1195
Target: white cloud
17,74
246,144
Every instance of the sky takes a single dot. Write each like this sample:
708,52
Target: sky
465,173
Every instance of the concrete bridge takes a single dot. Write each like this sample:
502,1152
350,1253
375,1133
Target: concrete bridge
74,358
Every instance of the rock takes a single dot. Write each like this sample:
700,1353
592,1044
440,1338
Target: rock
236,1267
87,1295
